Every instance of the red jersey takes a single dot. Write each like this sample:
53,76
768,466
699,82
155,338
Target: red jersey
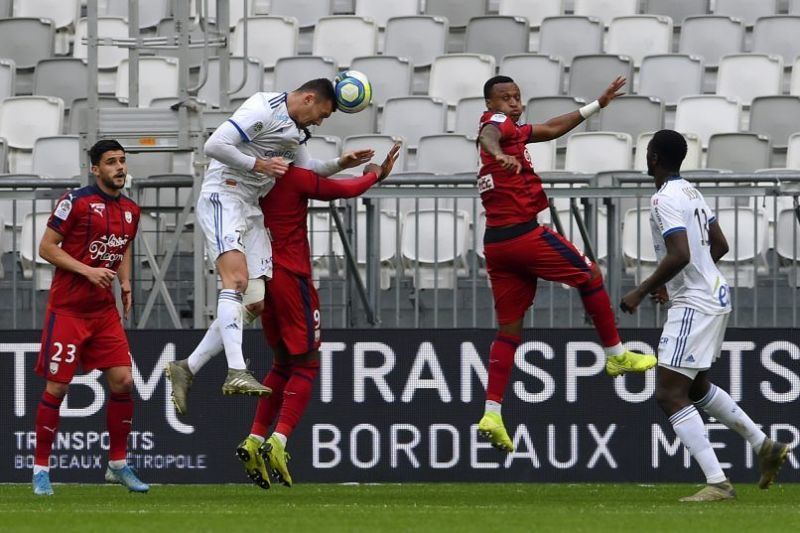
97,229
507,197
286,211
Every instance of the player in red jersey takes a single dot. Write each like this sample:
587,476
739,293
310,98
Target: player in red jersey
291,317
519,251
88,239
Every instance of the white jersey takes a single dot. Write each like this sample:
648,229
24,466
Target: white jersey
679,206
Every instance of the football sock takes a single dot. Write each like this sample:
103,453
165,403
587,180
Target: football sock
116,465
259,438
268,407
229,323
46,428
296,395
119,418
598,307
492,406
501,360
688,425
210,346
281,438
721,406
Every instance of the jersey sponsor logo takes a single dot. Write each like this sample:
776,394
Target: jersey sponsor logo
287,154
98,207
498,117
63,209
128,217
485,183
108,248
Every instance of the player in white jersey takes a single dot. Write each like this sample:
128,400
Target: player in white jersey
689,241
249,151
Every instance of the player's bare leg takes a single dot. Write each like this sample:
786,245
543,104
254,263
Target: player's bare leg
119,419
47,418
501,362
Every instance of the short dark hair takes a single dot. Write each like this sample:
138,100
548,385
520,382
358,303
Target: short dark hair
670,146
322,88
491,82
100,147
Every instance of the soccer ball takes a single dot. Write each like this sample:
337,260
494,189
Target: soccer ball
353,91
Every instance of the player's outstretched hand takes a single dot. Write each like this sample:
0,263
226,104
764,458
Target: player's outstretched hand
385,168
660,295
509,162
612,91
127,300
101,277
271,166
356,158
631,301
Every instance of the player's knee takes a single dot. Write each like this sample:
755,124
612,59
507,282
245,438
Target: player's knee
59,390
253,299
121,383
669,400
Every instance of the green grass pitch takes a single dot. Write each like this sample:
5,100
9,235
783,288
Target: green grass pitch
396,507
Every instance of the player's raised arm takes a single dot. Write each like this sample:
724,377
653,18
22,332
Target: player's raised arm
558,126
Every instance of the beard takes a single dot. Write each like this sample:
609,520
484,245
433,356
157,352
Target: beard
114,182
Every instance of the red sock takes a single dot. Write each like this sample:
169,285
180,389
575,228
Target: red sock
268,407
501,359
296,396
119,418
46,427
598,306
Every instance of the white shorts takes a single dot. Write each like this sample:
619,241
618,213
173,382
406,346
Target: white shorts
230,223
691,341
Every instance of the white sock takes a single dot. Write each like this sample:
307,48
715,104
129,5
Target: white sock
721,406
281,437
209,347
617,349
492,406
40,468
259,438
689,427
229,318
116,465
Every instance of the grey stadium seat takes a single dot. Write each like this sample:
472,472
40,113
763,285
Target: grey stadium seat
711,37
8,76
677,10
57,157
389,76
497,36
344,124
210,92
544,108
633,115
670,77
778,117
414,116
26,40
534,10
324,147
747,10
292,72
568,36
458,12
77,113
5,8
166,28
777,35
447,153
468,114
420,38
536,74
150,11
64,77
3,156
307,12
740,152
380,143
381,12
590,75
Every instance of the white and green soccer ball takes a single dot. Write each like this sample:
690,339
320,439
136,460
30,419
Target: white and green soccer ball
353,91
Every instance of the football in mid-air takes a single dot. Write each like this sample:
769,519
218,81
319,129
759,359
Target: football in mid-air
353,91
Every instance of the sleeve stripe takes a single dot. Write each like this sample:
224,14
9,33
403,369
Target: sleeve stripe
245,138
670,231
712,220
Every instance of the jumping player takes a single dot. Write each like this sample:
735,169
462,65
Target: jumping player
88,239
250,150
688,242
291,317
519,251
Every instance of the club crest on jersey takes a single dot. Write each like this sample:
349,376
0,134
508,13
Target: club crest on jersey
258,126
98,207
53,368
128,217
63,209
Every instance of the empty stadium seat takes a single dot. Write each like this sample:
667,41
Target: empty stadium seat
57,157
468,114
598,151
420,39
638,252
540,110
787,236
573,234
108,57
344,124
387,245
236,10
711,37
633,115
590,75
414,116
151,12
5,8
389,76
777,35
23,119
457,76
605,10
3,158
381,12
8,76
380,143
26,41
195,56
670,77
747,10
292,72
740,152
497,36
535,74
63,13
793,152
570,36
33,228
63,77
344,37
543,155
776,117
677,10
457,12
794,85
533,10
640,35
706,115
210,92
745,76
268,39
326,147
158,78
307,12
746,231
434,246
78,122
692,161
447,153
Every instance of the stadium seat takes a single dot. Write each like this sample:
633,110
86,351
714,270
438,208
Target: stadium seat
292,72
572,232
745,76
381,12
210,92
746,231
307,12
747,10
387,245
740,152
598,151
693,158
543,155
435,258
535,74
3,158
787,236
380,143
456,76
497,36
26,41
711,37
605,10
236,10
633,115
108,57
677,10
158,78
414,116
151,12
457,12
570,36
78,112
344,37
64,77
533,10
5,8
640,35
268,39
63,13
326,147
794,7
638,251
468,114
344,124
321,237
776,117
590,75
57,157
8,76
793,152
33,227
540,110
706,115
447,153
421,39
671,77
23,119
195,56
389,76
777,35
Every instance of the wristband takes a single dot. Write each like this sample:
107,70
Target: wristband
589,109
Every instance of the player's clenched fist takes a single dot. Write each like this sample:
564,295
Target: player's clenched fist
101,277
271,166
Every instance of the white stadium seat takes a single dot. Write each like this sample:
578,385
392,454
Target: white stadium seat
533,10
236,10
63,77
33,228
739,152
307,12
670,77
23,119
344,124
677,10
590,75
706,115
535,74
158,78
380,143
292,72
421,39
439,258
210,92
747,10
457,76
605,10
26,41
447,153
569,36
777,35
268,39
387,245
8,76
745,76
541,109
746,231
794,85
57,157
497,36
151,12
711,37
325,147
634,115
640,35
598,151
344,37
775,116
468,114
694,151
458,12
793,152
414,116
108,57
389,76
381,12
543,155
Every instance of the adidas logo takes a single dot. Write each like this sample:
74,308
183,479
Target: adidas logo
690,359
232,325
